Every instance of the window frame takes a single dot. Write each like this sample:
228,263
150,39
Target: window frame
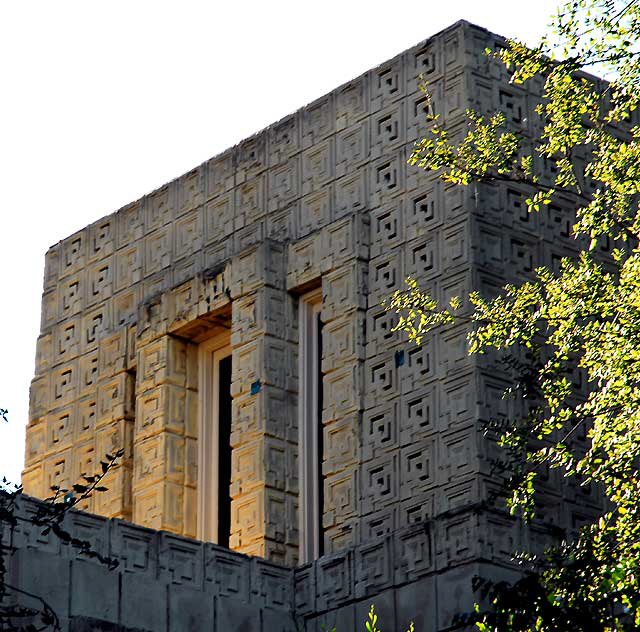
309,426
210,353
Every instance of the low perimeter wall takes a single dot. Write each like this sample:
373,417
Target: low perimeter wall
165,582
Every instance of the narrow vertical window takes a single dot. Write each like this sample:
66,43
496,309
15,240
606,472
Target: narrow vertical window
310,427
224,449
214,450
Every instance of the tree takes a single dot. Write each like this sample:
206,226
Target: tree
584,316
50,518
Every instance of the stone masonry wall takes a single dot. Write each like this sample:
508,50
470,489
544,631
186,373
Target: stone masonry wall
323,198
168,583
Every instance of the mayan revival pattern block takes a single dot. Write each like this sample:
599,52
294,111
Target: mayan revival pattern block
323,199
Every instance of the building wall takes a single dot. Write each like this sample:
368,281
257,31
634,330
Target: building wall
323,198
162,582
165,582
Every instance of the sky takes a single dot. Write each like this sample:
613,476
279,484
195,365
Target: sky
102,102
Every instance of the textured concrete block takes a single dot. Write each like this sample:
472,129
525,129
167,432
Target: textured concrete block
219,175
386,273
417,602
284,139
341,497
343,618
45,574
227,573
455,595
418,414
95,591
49,314
305,589
381,378
115,399
158,251
272,585
380,429
351,193
342,389
379,328
181,561
60,429
100,279
33,481
58,470
341,444
278,621
304,260
36,443
258,462
352,147
380,482
342,537
89,528
373,563
318,168
414,552
352,102
129,224
318,120
136,547
386,178
74,252
334,580
234,615
190,609
146,604
343,289
418,466
190,190
284,185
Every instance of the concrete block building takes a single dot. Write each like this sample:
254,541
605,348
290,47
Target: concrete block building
226,331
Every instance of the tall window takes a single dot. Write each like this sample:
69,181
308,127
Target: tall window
214,450
310,427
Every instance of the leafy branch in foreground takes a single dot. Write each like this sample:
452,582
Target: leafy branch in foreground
581,318
50,518
50,515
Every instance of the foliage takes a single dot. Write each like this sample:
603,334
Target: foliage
371,624
583,317
50,518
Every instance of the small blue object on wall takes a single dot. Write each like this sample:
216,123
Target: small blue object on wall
399,358
255,387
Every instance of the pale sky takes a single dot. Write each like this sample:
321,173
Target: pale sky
101,102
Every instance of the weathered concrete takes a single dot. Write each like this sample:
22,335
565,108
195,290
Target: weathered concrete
170,583
321,199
